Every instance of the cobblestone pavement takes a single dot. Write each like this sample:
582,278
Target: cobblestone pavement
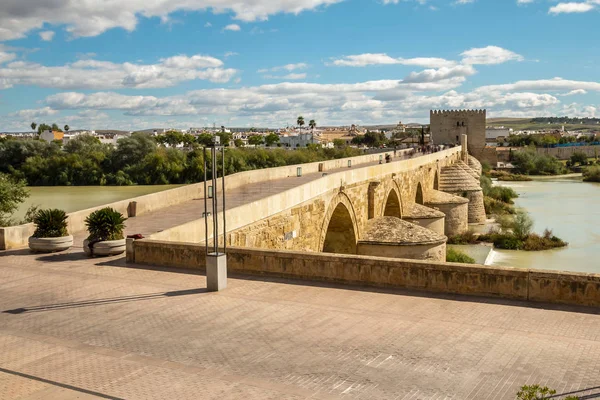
78,328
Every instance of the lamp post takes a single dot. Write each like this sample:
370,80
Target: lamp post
216,261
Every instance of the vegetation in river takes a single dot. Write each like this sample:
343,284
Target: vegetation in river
453,255
508,177
516,234
12,193
498,200
591,174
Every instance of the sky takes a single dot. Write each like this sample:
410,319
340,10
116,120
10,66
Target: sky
139,64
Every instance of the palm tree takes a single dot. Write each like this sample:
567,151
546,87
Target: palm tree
300,121
67,128
33,126
312,124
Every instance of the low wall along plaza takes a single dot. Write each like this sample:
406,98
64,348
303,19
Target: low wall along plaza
510,283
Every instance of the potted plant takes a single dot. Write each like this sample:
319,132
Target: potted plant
105,227
50,232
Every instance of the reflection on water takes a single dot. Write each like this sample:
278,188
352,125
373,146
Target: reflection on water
570,208
75,198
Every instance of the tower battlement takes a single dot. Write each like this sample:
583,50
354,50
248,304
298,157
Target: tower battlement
457,113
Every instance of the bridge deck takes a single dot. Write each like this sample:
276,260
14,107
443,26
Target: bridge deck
95,328
169,217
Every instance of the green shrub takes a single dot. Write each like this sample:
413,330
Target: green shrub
537,392
529,162
522,225
12,193
105,224
503,194
507,242
496,207
578,157
535,242
591,174
457,256
468,237
50,223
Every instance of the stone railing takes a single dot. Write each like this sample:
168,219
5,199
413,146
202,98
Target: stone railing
464,279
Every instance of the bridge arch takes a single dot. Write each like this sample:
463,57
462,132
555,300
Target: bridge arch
419,194
392,206
339,233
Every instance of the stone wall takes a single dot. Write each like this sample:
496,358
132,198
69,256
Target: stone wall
511,283
562,153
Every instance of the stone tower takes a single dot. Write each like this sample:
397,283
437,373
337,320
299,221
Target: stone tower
448,126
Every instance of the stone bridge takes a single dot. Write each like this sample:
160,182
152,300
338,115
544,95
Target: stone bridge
402,209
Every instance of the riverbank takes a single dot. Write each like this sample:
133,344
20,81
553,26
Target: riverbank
569,208
75,198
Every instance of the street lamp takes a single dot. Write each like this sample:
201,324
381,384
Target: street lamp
216,262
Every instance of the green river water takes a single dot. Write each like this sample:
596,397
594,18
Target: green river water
570,208
75,198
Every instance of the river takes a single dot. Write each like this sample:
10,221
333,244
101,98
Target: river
570,208
75,198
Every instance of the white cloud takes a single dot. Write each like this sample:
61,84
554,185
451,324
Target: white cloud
363,60
435,75
544,85
93,17
207,25
575,92
525,1
31,114
94,74
47,36
292,76
230,54
287,67
5,57
572,7
233,28
489,55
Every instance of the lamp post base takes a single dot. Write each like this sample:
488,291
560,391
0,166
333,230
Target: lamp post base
216,271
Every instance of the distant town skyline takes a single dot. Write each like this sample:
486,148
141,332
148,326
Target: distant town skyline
184,63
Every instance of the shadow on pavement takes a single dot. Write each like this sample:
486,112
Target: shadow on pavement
579,396
99,302
62,385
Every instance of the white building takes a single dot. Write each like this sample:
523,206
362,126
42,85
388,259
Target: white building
301,140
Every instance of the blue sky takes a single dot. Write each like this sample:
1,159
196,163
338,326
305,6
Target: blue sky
139,64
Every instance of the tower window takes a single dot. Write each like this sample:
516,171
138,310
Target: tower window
457,123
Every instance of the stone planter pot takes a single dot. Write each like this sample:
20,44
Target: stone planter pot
105,248
50,245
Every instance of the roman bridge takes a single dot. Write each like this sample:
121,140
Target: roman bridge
393,209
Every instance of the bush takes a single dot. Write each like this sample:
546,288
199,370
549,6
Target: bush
591,174
468,237
496,207
50,223
529,162
537,392
578,157
507,242
105,224
522,225
457,256
535,242
12,193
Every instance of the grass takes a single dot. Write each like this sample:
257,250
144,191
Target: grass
457,256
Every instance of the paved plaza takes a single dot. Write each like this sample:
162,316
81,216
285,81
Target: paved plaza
77,328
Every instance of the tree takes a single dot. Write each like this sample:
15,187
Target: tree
255,140
132,150
43,127
312,124
55,128
12,193
224,137
374,139
33,126
271,139
204,139
173,138
67,128
578,157
358,140
238,143
300,121
339,143
188,140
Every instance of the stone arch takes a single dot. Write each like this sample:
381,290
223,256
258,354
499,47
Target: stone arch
419,194
339,233
392,206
